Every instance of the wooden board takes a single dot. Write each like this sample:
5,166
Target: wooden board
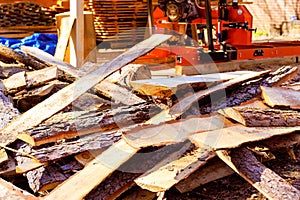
102,166
163,178
172,131
277,96
235,136
67,95
252,117
165,87
272,186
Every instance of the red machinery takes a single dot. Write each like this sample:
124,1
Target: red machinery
229,32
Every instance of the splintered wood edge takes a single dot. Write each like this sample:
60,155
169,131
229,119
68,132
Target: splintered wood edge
264,96
26,138
234,114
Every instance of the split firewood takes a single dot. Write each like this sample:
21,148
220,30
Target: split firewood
48,177
67,95
271,185
12,56
162,178
89,122
165,87
294,86
7,70
89,101
8,112
252,117
9,191
235,136
8,167
284,97
173,131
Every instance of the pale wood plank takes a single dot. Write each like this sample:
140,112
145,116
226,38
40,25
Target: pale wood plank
271,185
67,95
235,136
94,173
277,96
173,131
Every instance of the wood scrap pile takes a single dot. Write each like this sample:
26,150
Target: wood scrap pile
94,132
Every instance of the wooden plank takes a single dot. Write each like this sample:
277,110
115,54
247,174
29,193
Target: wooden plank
271,185
173,131
64,36
165,87
9,191
163,178
277,96
67,95
101,167
235,136
252,117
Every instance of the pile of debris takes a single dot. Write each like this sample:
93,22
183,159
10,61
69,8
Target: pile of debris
94,132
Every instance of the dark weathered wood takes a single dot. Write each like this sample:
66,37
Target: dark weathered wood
7,111
89,122
8,167
277,96
89,101
67,95
271,185
12,55
48,177
252,117
9,191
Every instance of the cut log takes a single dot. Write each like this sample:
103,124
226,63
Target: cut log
235,136
13,84
165,87
252,117
13,56
48,177
277,96
80,184
279,142
163,178
89,122
67,95
9,191
7,70
89,101
173,131
8,167
8,112
272,186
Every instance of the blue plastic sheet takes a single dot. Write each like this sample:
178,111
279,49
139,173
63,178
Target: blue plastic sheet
45,42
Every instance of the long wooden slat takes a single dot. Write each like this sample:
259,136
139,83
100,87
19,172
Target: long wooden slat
67,95
271,185
235,136
94,173
165,87
277,96
172,131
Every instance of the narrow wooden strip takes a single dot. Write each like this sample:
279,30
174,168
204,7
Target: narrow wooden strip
94,173
67,95
277,96
252,117
165,177
235,136
173,131
9,191
271,185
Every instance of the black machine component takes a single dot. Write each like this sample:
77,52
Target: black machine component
179,10
239,25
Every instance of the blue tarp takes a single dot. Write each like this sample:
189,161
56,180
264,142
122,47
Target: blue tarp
45,42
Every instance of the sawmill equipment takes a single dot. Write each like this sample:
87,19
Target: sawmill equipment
220,31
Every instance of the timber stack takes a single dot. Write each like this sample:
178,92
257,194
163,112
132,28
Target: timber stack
97,131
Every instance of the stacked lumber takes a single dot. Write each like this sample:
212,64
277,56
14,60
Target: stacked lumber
97,131
120,20
20,19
